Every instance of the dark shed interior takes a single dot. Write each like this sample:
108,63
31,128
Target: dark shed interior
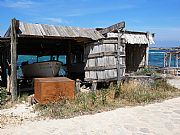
73,49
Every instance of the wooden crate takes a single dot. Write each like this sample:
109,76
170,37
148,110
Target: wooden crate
51,89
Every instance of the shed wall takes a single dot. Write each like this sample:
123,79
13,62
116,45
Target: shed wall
101,60
135,57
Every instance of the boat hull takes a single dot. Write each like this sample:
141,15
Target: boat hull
41,69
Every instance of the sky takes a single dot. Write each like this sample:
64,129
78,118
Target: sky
161,17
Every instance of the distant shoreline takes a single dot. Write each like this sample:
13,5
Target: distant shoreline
161,48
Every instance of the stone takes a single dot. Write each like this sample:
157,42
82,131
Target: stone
144,130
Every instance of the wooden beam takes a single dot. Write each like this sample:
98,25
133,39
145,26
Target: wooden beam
118,58
101,54
69,59
101,80
13,85
147,56
102,68
113,28
78,85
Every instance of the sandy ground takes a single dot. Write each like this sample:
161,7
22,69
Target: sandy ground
154,119
174,82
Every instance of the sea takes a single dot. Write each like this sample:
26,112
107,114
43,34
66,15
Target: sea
156,58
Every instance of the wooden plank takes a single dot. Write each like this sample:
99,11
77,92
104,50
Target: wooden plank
13,60
101,54
110,41
91,62
119,59
100,74
101,68
101,80
110,60
100,61
93,74
113,28
109,48
110,73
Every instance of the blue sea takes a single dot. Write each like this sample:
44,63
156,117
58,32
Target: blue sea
156,58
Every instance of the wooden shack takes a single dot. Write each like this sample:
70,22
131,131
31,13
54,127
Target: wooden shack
104,54
118,53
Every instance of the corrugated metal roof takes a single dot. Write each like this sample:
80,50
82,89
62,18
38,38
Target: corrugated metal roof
27,29
135,38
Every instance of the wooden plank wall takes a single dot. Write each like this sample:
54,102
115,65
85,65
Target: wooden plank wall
135,57
101,60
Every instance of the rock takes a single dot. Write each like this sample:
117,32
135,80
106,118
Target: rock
23,102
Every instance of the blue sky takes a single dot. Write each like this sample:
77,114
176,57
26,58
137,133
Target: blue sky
158,16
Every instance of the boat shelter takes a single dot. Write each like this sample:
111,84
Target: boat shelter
101,54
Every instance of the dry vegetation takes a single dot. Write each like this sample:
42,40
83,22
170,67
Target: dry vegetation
3,96
131,93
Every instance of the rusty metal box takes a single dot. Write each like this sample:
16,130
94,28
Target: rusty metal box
53,88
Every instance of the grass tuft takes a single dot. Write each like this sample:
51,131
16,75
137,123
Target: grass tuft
3,96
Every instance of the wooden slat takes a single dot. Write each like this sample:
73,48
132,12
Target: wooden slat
101,80
101,54
99,68
109,41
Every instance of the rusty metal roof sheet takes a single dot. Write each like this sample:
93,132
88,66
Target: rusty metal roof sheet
44,30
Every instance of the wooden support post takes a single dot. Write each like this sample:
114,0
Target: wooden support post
13,85
94,85
147,51
147,56
69,59
120,71
118,58
78,83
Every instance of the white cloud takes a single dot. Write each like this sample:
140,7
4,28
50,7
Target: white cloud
50,20
53,20
17,3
